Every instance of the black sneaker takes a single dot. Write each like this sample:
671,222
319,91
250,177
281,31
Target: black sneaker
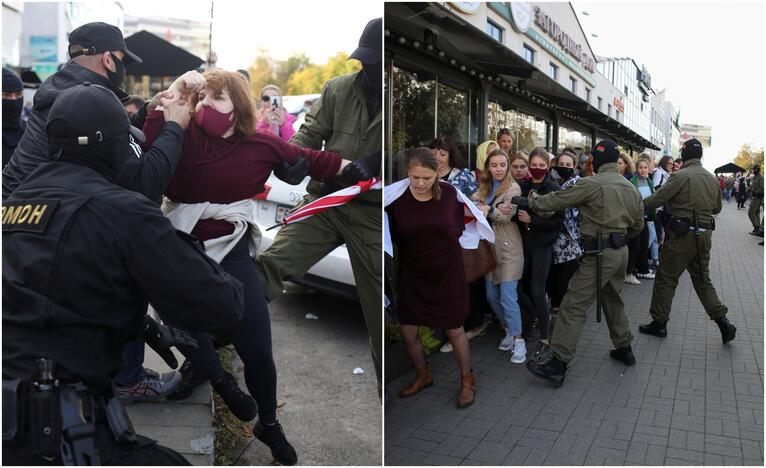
548,367
240,403
624,355
274,437
191,380
541,350
727,329
654,328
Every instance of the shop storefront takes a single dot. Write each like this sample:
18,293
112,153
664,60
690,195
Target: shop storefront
466,70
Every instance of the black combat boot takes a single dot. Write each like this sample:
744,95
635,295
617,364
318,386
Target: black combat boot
273,436
548,367
624,355
239,403
191,379
654,328
727,329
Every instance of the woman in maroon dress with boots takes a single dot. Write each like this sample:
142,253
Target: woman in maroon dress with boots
426,222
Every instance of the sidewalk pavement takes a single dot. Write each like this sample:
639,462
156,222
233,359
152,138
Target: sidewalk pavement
689,400
185,426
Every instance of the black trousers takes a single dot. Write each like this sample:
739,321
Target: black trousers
537,264
478,306
558,280
638,248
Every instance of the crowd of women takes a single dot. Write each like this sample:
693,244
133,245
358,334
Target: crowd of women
535,256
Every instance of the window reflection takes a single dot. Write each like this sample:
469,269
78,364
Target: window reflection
528,132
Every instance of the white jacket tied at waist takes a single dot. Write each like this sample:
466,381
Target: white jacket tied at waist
473,232
241,214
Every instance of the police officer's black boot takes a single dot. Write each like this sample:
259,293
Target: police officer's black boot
727,329
239,403
624,355
548,367
273,436
654,328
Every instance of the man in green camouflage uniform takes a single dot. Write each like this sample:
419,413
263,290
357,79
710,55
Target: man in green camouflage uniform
347,120
610,206
693,197
756,187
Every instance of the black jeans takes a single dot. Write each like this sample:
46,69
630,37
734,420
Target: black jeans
638,249
252,338
478,306
558,280
537,264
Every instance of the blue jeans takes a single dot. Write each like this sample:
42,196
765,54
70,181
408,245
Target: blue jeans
133,369
504,302
654,246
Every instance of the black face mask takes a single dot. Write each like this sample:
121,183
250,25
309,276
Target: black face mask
12,120
107,158
116,77
373,76
566,173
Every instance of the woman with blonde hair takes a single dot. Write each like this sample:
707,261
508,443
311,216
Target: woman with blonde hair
481,155
626,166
272,115
496,188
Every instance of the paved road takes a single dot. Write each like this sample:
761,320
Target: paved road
332,416
689,400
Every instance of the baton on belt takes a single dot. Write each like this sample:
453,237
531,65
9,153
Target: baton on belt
697,233
599,272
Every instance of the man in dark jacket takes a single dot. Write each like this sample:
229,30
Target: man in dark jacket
98,51
81,258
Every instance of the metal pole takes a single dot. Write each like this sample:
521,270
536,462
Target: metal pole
210,37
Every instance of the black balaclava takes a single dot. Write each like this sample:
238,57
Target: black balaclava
756,169
116,77
604,152
12,108
691,149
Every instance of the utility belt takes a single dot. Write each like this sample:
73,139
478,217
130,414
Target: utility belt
55,419
608,241
684,225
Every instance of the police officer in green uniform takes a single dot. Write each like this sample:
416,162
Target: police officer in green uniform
756,187
347,119
693,197
610,207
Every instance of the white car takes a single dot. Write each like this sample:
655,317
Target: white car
331,274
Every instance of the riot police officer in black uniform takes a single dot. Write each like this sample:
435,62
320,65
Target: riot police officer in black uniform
81,258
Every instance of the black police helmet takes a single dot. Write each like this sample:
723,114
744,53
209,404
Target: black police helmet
691,149
97,38
605,151
85,115
370,48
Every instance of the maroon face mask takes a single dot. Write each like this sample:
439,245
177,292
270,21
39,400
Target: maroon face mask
538,173
213,123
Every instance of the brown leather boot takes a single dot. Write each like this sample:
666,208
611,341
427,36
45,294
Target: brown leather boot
467,390
422,380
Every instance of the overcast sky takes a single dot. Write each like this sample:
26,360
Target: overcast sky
317,28
709,56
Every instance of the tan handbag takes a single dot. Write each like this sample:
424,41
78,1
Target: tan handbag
478,262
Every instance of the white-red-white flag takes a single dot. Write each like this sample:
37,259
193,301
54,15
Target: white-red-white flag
338,198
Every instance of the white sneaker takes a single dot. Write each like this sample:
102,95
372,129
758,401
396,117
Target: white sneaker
519,352
447,348
630,279
506,344
649,275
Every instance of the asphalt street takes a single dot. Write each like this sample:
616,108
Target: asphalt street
331,415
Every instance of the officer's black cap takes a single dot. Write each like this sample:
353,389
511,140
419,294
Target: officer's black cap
691,149
370,48
605,151
98,37
11,81
85,114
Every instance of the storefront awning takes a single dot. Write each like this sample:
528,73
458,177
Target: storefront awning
460,44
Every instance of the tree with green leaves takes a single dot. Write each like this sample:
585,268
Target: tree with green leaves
747,157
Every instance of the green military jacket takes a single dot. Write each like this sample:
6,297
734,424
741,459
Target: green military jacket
757,186
688,189
607,202
340,121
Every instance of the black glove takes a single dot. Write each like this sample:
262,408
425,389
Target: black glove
160,338
364,168
521,202
294,174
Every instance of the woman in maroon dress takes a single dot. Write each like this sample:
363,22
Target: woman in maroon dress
426,222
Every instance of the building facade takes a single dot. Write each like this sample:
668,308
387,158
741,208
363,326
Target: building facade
703,133
466,70
192,36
